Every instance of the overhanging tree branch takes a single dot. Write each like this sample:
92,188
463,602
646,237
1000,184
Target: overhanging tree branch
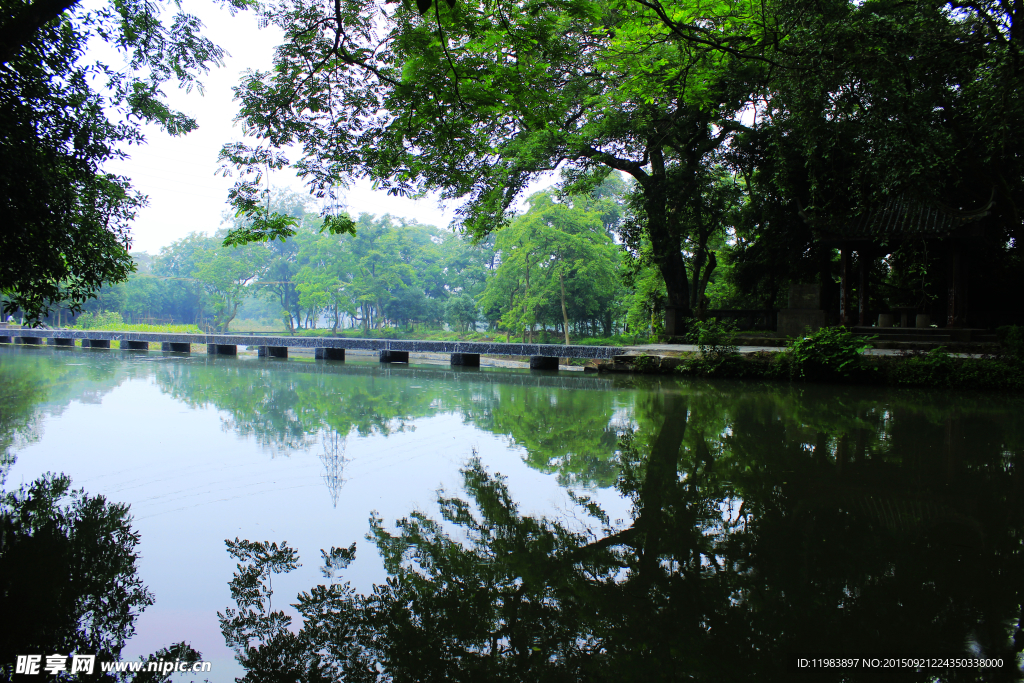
17,32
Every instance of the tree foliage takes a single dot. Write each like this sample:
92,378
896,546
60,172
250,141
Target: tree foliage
557,266
65,222
745,126
480,98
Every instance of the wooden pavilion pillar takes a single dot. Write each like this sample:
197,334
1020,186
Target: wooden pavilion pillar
845,314
864,262
956,286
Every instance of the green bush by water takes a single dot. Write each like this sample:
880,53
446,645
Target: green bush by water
99,321
828,353
716,342
938,368
1011,339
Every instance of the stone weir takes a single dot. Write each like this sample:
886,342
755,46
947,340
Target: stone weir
542,356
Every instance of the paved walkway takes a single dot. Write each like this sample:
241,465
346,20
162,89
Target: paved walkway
676,349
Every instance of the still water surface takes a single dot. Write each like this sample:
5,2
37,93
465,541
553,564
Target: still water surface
736,524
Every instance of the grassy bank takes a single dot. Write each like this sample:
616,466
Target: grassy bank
112,322
141,327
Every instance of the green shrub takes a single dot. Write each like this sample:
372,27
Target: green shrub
1011,338
97,321
644,363
714,339
938,368
935,368
829,353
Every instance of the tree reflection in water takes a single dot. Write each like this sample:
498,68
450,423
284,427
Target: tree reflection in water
68,561
764,523
766,520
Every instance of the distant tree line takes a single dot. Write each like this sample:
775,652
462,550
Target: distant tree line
555,271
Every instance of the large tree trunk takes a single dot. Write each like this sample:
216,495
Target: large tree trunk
668,257
526,297
702,286
234,312
565,316
667,248
511,306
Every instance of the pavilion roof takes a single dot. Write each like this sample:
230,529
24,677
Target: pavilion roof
900,217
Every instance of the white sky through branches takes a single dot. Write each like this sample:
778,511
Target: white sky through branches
180,174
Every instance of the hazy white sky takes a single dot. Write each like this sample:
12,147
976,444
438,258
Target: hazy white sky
180,174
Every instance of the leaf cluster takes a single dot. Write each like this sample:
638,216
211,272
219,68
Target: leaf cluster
64,222
828,352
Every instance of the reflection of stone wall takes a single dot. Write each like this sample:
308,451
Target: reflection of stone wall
804,311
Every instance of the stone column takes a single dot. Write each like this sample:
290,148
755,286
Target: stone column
845,314
135,345
955,286
96,343
804,311
471,360
222,349
388,356
544,362
327,353
272,351
863,296
176,347
60,341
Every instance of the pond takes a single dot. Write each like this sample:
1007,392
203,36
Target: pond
640,528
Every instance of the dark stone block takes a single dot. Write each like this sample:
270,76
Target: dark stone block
222,349
30,340
96,343
468,359
272,351
175,347
805,296
327,353
543,362
390,356
135,345
60,341
794,322
958,335
5,340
